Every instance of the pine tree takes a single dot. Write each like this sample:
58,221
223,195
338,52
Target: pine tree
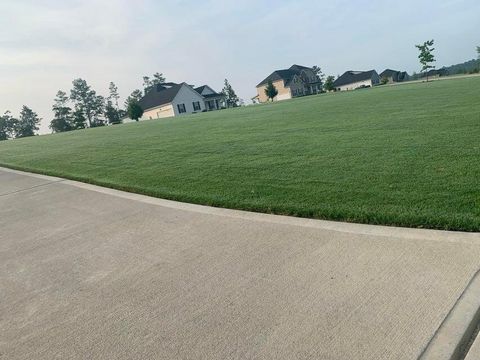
149,84
113,96
63,119
87,101
112,114
79,120
135,95
27,123
7,126
271,90
231,97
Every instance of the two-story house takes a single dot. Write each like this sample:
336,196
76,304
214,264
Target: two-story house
292,82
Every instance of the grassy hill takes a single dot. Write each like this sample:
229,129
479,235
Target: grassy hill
405,155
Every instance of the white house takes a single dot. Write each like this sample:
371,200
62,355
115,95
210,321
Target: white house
352,80
213,100
171,99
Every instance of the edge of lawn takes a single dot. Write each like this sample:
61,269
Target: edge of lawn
451,222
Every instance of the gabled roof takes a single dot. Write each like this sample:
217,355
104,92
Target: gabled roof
200,89
389,73
284,74
160,95
296,67
351,76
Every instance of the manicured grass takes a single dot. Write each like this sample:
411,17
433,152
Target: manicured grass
405,155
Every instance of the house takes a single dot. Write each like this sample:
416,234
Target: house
212,99
393,76
352,80
292,82
172,99
434,73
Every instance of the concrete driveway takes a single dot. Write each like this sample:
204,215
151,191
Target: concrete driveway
94,273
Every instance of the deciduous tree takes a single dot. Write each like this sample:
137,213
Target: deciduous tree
329,83
134,110
426,56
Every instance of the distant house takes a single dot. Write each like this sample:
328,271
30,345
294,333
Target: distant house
171,99
352,80
212,99
292,82
435,73
394,76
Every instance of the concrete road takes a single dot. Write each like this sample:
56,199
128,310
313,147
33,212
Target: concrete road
94,273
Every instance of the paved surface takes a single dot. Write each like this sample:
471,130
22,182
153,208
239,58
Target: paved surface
92,273
474,353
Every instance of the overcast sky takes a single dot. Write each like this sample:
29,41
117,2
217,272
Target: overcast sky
45,44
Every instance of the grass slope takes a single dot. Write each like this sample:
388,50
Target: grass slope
401,155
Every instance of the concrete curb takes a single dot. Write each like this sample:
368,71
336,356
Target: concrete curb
454,337
354,228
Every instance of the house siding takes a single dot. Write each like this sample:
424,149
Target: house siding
375,80
186,95
284,93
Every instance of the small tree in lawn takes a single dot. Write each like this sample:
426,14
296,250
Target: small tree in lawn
231,98
384,80
426,56
271,90
329,83
134,110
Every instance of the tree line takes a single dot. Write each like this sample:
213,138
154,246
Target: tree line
82,108
25,125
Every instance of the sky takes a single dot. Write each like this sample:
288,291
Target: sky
45,44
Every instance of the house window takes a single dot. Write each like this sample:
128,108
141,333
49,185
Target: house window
181,108
196,105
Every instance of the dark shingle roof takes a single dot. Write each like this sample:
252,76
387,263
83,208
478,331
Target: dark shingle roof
160,95
284,74
208,96
350,77
200,89
389,73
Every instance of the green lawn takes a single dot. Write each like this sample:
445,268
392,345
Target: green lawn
405,155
